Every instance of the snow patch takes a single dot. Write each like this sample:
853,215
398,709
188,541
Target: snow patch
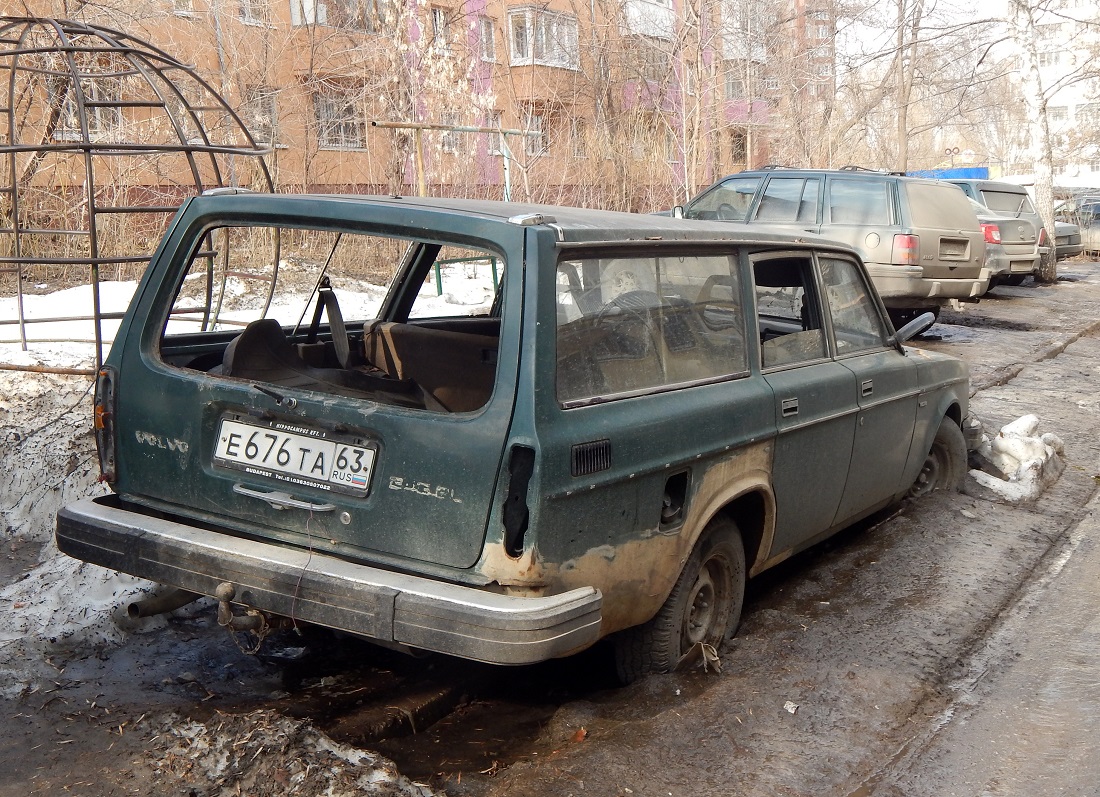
263,753
1023,462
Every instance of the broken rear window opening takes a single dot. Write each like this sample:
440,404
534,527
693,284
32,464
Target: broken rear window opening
412,323
634,324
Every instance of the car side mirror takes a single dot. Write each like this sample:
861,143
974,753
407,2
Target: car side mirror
678,212
915,327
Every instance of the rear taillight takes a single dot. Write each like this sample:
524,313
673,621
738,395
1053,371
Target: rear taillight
906,250
103,418
1043,240
991,232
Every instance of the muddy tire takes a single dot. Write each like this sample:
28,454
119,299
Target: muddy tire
944,466
704,606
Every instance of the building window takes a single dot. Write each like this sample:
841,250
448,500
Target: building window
649,59
340,120
535,122
254,12
104,123
543,38
578,135
440,40
739,146
363,15
1050,58
1058,113
493,120
183,8
260,113
1089,113
818,25
735,87
452,141
487,38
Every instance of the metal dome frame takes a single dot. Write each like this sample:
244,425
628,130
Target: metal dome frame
52,118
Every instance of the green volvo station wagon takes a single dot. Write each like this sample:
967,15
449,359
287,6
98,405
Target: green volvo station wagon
499,431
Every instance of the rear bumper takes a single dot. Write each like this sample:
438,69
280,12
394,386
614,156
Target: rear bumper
360,599
906,286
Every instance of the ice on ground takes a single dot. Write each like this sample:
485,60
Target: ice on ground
1027,461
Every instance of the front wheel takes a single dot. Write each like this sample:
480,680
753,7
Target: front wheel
704,607
945,464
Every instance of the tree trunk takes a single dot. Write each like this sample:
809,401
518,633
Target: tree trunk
1022,23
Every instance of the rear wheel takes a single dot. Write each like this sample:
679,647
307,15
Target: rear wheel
704,607
945,464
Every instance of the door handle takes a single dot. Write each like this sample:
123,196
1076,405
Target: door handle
788,407
279,500
867,388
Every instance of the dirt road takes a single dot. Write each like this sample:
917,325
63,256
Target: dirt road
930,651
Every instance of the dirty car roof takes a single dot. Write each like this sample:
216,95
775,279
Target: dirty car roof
574,225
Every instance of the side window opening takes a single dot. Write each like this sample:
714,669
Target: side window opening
857,325
859,201
789,199
789,318
635,324
299,308
729,201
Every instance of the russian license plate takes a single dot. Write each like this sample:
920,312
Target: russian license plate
296,455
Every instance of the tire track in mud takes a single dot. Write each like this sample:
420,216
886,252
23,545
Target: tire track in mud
1071,498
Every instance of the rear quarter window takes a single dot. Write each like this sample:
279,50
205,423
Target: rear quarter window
939,206
638,324
859,201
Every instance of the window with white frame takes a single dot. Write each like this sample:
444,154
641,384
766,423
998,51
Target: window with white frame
818,24
1058,113
1050,58
260,113
183,8
363,15
254,12
544,38
341,123
487,44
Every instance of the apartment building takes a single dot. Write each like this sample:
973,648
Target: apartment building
1068,36
619,103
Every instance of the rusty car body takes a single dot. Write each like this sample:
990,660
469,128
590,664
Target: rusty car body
504,431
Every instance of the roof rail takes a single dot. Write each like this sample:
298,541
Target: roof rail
772,166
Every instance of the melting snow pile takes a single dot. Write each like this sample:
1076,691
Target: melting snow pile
1023,463
50,605
262,754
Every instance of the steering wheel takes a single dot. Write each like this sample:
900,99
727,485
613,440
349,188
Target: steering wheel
631,303
728,212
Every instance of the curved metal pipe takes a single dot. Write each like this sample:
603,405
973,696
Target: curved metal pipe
161,603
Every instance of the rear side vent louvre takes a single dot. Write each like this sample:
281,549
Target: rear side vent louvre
591,457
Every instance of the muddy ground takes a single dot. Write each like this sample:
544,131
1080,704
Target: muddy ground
849,657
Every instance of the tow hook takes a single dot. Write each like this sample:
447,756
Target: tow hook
251,620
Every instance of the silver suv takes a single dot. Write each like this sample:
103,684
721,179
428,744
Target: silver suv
920,239
1009,199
